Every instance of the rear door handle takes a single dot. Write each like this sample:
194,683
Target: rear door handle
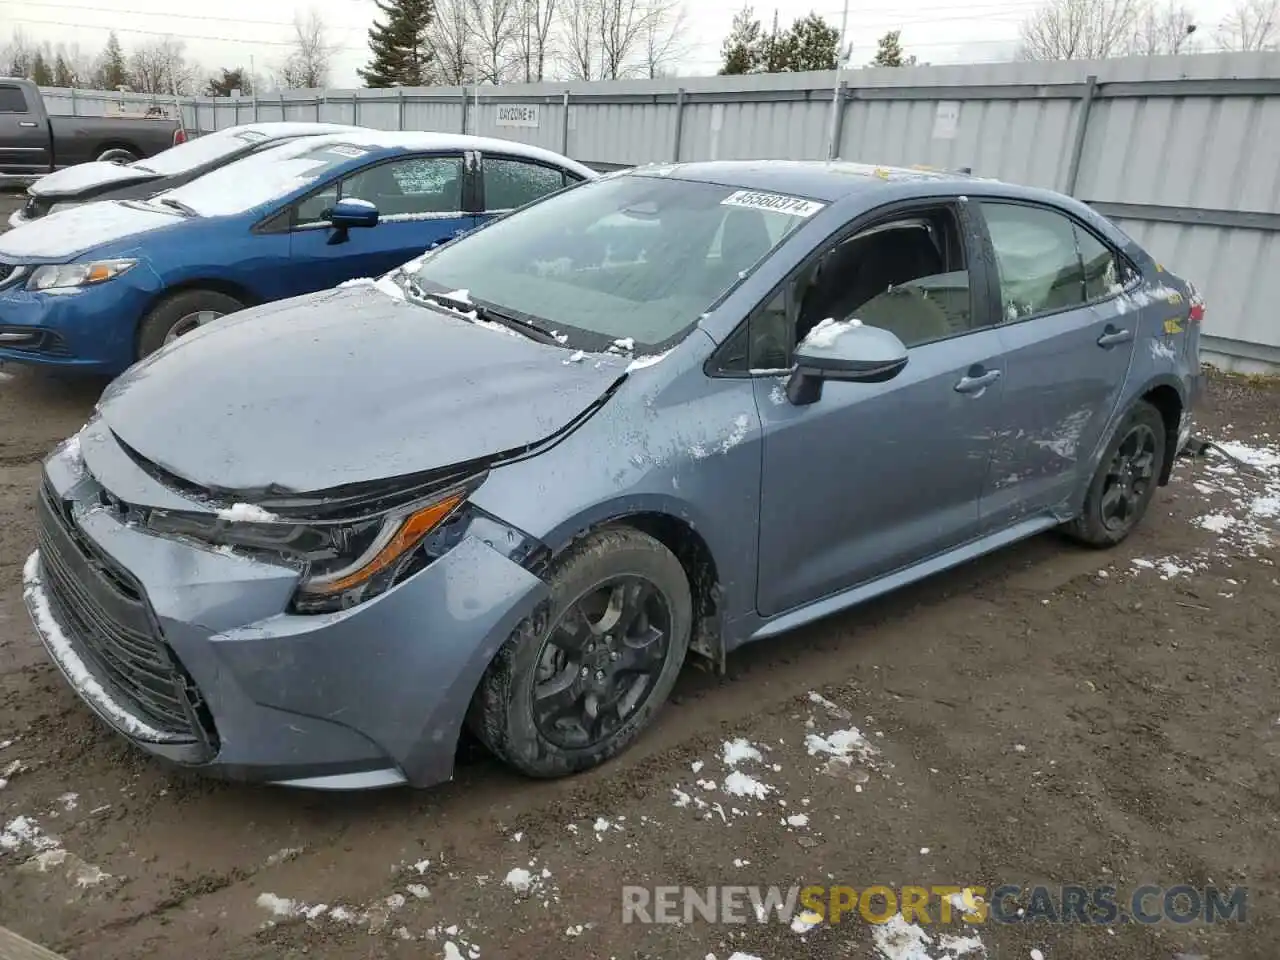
978,383
1111,336
26,123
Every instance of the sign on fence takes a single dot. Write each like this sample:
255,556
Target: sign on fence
151,111
946,120
517,115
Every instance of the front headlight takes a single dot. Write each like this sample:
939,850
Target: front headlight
62,275
342,562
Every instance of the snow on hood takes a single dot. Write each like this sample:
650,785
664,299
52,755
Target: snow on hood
84,176
67,233
341,387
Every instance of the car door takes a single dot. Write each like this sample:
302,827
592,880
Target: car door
507,183
24,137
420,203
1068,347
876,476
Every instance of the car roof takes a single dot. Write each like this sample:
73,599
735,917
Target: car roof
285,128
828,180
424,140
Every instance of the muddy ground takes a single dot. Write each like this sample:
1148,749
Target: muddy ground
1048,715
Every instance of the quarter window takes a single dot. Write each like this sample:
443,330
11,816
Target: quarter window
513,183
1104,274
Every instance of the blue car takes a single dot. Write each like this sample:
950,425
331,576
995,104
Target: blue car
96,288
517,484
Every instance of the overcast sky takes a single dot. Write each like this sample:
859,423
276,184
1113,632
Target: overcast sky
234,32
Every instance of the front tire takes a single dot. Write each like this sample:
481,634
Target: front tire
179,314
571,689
1125,481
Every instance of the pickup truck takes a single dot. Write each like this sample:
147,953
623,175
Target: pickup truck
32,143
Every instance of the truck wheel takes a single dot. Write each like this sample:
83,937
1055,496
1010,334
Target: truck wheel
179,315
570,689
1125,481
117,155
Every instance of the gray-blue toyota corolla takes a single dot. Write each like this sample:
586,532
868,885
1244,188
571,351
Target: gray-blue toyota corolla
513,486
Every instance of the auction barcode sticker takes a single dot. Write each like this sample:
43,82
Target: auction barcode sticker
777,202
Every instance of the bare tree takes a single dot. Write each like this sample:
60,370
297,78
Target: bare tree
161,66
533,37
661,37
19,53
1160,30
1251,25
307,66
622,25
449,36
580,40
493,25
1078,30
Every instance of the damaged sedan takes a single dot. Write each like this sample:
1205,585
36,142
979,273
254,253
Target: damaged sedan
513,486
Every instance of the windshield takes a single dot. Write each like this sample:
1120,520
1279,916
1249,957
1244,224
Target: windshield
198,152
262,177
630,257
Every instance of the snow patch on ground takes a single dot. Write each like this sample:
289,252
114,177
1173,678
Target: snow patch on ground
896,939
738,751
740,784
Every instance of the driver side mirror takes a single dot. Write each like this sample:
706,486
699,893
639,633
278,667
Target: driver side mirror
847,351
345,214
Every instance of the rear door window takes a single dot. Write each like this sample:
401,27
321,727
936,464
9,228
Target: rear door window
512,183
12,100
1038,258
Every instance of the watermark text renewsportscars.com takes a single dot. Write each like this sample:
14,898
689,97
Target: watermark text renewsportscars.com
1009,903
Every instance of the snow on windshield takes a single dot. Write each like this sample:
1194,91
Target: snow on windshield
261,177
192,154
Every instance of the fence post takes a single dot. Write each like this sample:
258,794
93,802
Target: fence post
255,108
355,109
675,150
282,113
837,132
1082,128
319,103
564,129
464,110
75,110
400,108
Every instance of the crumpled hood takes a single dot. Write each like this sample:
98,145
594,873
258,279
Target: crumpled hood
343,387
68,233
85,176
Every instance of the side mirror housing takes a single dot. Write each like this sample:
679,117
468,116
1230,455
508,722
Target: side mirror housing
345,214
846,351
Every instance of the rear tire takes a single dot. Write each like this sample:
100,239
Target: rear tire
180,314
621,610
1126,479
117,155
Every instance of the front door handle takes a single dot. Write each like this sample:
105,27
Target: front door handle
26,123
978,382
1111,336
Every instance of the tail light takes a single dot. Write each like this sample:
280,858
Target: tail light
179,136
1196,314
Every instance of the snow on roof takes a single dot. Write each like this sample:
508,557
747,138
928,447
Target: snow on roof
277,171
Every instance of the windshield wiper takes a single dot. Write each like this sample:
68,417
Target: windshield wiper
181,207
520,322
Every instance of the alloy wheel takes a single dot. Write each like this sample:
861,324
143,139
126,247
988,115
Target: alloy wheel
1129,478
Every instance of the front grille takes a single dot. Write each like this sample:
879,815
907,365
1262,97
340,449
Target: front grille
106,619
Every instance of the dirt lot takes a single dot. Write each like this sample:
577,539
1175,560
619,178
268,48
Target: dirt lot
1047,715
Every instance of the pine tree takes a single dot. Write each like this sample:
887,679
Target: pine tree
401,50
815,44
741,48
889,53
62,74
775,49
112,71
40,72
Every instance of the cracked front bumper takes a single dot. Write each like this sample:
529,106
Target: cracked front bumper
190,653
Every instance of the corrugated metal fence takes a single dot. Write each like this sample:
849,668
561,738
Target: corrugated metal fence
1183,152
